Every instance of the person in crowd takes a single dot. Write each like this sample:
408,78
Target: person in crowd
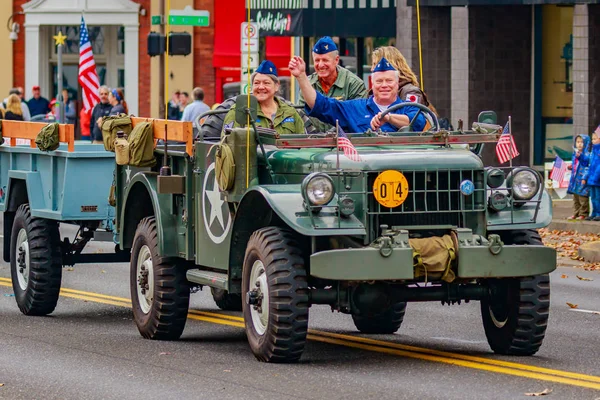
37,104
70,108
100,110
173,111
579,165
272,112
184,100
13,112
330,79
193,110
408,88
592,176
85,116
24,109
359,115
117,101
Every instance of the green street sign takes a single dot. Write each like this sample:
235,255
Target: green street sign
189,20
156,20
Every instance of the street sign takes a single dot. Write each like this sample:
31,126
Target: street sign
188,16
249,59
244,87
253,60
249,42
156,19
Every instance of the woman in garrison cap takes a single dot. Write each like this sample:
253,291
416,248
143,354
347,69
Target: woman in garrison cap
272,112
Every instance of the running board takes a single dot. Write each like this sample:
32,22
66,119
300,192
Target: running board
208,278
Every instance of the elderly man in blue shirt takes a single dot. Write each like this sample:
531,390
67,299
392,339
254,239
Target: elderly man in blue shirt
360,114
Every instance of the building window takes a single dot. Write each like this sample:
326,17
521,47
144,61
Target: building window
97,35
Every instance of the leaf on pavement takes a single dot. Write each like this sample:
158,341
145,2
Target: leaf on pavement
164,353
572,305
564,276
542,393
70,269
581,278
1,384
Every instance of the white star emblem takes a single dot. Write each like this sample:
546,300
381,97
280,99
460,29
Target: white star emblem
216,204
326,47
128,172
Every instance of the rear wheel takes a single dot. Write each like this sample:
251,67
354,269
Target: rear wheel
515,312
388,321
276,306
160,293
35,262
227,301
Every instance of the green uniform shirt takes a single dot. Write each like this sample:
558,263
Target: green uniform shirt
347,86
287,120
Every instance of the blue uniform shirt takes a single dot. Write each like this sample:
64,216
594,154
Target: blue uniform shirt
355,116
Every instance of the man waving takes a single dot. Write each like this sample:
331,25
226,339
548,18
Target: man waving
360,114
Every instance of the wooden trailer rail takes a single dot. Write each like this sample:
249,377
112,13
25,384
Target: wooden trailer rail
14,130
178,131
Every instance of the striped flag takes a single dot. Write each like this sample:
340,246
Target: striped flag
88,77
347,147
506,149
558,170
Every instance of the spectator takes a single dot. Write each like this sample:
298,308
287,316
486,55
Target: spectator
24,108
85,116
70,108
117,101
100,111
193,110
14,111
38,105
184,100
173,107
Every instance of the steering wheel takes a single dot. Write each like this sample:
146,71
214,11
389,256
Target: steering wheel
422,109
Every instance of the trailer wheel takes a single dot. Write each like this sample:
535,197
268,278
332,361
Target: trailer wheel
275,285
160,293
226,301
35,262
515,313
388,321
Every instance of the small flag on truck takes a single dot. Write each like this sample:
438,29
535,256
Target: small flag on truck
506,149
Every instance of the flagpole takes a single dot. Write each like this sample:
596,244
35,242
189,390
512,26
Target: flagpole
510,150
337,143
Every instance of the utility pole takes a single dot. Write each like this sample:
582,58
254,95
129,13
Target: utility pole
162,112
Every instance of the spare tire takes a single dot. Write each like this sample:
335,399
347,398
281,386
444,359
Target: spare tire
213,124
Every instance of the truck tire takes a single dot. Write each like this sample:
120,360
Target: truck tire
388,321
35,262
277,322
160,293
515,314
226,301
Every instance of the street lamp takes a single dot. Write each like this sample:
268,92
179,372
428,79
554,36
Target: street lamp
13,28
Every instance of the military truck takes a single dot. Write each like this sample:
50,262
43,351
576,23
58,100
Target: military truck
276,223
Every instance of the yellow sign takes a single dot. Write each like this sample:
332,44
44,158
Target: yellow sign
390,188
59,39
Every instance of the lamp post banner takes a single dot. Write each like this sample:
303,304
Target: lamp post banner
272,22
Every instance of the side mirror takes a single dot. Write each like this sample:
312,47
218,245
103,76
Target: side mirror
487,117
241,104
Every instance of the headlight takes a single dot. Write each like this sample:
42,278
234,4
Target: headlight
318,189
495,177
525,184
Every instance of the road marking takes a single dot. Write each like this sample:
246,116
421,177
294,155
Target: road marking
392,348
455,340
586,311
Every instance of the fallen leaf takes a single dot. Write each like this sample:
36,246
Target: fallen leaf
543,393
103,271
572,305
564,276
1,384
164,353
581,278
226,370
70,269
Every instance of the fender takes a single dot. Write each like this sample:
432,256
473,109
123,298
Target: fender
33,185
523,217
142,188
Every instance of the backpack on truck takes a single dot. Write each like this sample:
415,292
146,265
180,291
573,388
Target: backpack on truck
141,145
110,126
47,139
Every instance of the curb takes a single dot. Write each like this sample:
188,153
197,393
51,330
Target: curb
577,226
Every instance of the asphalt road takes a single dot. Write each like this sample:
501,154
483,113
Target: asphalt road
89,348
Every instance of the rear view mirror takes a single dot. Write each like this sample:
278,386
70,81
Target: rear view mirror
487,117
241,105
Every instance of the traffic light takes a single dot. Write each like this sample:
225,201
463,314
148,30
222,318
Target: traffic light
180,44
156,44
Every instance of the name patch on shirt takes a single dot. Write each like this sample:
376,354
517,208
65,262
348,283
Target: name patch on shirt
288,119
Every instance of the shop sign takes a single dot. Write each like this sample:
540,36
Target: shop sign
278,22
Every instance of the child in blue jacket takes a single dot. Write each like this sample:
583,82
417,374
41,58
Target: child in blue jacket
592,177
579,167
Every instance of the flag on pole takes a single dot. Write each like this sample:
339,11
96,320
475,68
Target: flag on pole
88,77
347,147
506,149
558,170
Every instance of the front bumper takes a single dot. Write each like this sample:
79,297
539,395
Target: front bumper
474,261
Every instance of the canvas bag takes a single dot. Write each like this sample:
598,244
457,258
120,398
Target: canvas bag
47,138
141,145
434,257
110,126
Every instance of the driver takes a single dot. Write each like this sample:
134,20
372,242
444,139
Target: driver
360,114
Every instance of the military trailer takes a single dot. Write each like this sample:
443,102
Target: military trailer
276,223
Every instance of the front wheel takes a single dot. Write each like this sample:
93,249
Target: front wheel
35,262
275,285
160,293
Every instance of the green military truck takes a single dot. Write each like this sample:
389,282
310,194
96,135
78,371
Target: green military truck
276,223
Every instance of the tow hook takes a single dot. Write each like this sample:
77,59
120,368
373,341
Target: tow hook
495,245
386,241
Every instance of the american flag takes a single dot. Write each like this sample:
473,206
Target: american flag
558,170
506,149
347,147
88,77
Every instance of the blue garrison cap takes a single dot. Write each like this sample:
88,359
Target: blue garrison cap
267,67
324,45
384,65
